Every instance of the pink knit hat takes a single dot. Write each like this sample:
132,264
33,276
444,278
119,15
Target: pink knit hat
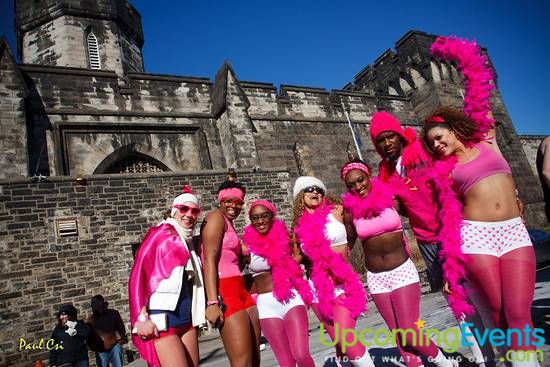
383,121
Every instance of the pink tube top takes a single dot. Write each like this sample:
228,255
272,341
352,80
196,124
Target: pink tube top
228,265
388,221
487,163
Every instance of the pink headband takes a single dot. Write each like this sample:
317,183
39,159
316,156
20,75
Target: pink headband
232,192
268,205
435,119
354,165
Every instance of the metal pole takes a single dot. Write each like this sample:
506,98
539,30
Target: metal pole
352,131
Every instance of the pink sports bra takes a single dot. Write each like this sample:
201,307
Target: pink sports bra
228,265
487,163
387,222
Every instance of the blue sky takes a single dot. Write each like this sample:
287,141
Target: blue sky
324,43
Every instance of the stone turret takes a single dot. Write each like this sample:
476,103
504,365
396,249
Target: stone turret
93,34
412,72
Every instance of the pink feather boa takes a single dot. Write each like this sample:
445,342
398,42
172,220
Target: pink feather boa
450,215
379,198
275,248
328,266
478,75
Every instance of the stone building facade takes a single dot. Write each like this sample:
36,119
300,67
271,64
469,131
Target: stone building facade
116,143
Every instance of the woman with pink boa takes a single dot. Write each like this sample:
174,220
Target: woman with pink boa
165,289
392,276
281,288
340,295
499,257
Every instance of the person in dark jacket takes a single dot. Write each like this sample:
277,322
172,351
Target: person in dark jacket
108,333
71,334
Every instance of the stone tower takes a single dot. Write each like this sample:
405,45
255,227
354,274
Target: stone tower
411,72
94,34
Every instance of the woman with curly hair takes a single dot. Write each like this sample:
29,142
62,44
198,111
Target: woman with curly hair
340,295
499,257
229,305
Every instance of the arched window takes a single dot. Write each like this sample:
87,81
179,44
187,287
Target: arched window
93,51
137,163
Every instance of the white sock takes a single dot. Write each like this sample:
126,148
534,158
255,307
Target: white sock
442,361
364,361
474,346
530,360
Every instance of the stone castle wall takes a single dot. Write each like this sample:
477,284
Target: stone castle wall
13,127
40,270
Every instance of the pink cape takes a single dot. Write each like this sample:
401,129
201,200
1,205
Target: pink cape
159,253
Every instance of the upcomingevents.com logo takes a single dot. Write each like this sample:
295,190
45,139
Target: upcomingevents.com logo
450,340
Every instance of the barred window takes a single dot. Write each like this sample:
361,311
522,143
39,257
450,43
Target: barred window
137,163
93,51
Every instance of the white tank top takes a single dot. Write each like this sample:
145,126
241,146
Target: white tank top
258,265
335,231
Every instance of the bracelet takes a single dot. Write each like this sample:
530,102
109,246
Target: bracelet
142,317
210,303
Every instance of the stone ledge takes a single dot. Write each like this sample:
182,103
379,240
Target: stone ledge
137,176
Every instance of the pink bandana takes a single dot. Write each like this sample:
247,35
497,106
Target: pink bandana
435,119
267,204
354,165
232,192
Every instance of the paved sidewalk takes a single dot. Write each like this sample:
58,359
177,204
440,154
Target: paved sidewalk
434,312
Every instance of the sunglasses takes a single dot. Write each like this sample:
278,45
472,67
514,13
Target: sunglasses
184,209
311,189
259,217
233,202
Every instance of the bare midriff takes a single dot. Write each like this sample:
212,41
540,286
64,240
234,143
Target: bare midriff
491,199
384,252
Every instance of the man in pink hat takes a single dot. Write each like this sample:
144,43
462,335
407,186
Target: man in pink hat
403,157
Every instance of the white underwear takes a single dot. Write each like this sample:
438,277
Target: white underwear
493,238
387,281
269,307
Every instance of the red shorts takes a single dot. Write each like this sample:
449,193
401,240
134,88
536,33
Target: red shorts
234,295
177,330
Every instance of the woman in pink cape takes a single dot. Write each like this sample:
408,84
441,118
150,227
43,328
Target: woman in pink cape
165,289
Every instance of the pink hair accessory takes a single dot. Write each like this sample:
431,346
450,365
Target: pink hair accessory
354,165
436,119
231,192
268,205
